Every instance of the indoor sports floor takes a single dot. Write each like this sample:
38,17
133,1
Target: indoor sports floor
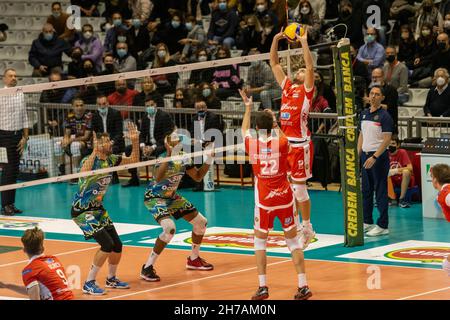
404,265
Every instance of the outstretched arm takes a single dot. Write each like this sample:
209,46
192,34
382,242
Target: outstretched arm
248,102
277,69
33,293
309,63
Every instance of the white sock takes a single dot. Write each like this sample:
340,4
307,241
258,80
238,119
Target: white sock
112,269
151,259
262,280
306,223
446,266
195,251
93,273
302,280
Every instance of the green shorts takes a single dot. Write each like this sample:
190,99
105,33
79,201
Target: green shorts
92,221
176,207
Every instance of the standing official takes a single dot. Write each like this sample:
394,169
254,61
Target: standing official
13,137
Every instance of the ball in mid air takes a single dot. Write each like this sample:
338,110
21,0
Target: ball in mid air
293,29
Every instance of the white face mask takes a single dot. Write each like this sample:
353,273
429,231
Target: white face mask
441,81
161,53
87,35
304,10
202,58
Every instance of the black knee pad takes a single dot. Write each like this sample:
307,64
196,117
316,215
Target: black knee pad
105,241
117,247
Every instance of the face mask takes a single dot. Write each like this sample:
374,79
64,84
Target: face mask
440,81
161,53
175,24
442,45
392,149
151,110
405,35
87,35
427,9
304,10
48,36
370,38
390,58
117,22
206,92
56,14
109,67
223,6
122,39
201,113
88,69
447,24
121,90
76,56
268,30
346,13
202,58
260,8
137,23
189,26
103,111
121,53
426,33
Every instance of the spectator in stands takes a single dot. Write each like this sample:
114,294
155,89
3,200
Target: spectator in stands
91,46
332,11
112,34
173,32
155,126
138,37
109,120
425,49
223,27
396,74
89,92
325,90
402,11
305,14
261,83
249,35
108,63
268,31
319,7
140,9
166,83
182,99
76,142
367,15
124,61
89,68
428,14
226,78
390,101
262,9
209,94
149,90
122,96
3,34
164,9
319,105
46,52
406,46
437,103
444,7
372,52
359,67
75,67
63,95
279,8
353,23
195,39
58,20
117,6
447,24
201,75
401,170
441,58
88,7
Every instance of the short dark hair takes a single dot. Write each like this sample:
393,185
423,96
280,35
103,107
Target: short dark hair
56,3
264,120
101,95
379,87
441,172
396,138
77,98
33,241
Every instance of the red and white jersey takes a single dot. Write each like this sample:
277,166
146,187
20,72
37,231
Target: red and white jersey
444,200
269,159
48,273
296,104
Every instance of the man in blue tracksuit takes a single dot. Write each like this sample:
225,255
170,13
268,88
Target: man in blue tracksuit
376,128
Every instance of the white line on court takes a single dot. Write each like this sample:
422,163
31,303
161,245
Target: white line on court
12,298
424,293
195,280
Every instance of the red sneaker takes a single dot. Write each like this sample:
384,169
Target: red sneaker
198,264
303,293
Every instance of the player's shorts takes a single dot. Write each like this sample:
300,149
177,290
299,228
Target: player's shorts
301,160
397,181
176,207
264,218
93,221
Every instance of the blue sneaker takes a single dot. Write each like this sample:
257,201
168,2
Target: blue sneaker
116,283
90,287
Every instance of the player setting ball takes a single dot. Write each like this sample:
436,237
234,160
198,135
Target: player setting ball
293,30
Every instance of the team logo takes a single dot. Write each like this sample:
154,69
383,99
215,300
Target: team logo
287,221
420,254
12,223
285,116
276,193
300,164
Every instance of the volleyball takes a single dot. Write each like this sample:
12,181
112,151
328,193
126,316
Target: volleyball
293,29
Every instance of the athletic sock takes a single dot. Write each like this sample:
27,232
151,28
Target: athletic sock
262,280
302,280
195,251
93,273
151,259
306,223
112,269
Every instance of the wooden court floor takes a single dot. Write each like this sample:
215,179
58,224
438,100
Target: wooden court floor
234,276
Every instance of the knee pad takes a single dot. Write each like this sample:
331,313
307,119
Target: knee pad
75,148
199,224
117,247
294,243
260,244
168,230
300,192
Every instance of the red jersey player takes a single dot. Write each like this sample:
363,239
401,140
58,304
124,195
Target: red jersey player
440,175
44,277
273,195
296,103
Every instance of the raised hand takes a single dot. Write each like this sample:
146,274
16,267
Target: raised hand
280,35
133,132
247,101
303,37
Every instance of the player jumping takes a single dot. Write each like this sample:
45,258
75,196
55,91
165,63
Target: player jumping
296,103
90,215
273,195
440,175
44,277
163,202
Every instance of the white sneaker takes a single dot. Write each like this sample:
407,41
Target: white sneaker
307,234
368,227
377,231
446,266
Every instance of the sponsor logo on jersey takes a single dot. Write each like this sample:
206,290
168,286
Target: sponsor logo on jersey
26,271
266,150
420,254
287,221
286,107
276,193
285,116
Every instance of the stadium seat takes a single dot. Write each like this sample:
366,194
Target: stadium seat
30,23
417,97
13,8
23,68
12,52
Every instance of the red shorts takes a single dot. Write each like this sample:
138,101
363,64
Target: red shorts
264,218
397,181
301,160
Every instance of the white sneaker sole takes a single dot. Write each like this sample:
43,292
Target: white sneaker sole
383,233
114,287
149,279
199,268
93,294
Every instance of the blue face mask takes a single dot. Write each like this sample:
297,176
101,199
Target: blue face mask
117,22
206,92
137,23
122,52
151,110
370,38
223,6
175,24
56,14
189,26
201,113
48,36
103,111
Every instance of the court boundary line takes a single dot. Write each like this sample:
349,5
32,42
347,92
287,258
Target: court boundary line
424,293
